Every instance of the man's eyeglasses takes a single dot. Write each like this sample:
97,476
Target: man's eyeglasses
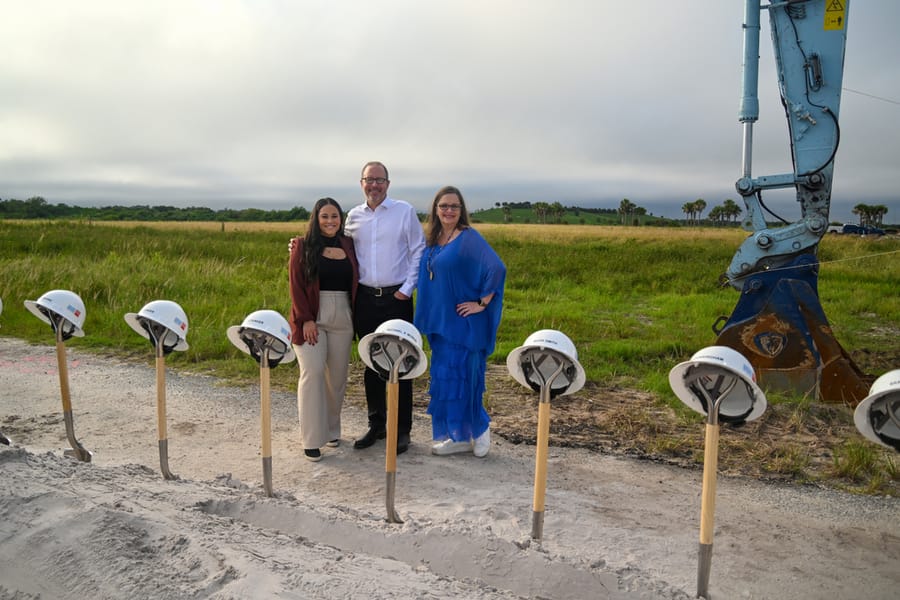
449,207
378,180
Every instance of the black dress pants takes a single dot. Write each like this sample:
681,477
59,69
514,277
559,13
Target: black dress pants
371,311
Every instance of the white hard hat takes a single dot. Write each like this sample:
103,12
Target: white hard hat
64,304
375,352
521,362
263,329
708,369
171,319
878,416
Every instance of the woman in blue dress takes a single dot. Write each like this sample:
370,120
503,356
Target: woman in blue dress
458,308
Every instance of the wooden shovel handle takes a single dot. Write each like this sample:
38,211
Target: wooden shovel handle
708,496
393,405
265,412
63,367
540,467
161,397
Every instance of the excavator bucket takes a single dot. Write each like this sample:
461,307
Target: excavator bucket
778,324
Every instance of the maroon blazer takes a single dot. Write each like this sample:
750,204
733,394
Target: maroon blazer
305,293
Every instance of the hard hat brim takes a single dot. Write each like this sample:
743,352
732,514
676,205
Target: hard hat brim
514,366
234,336
677,383
365,353
863,421
35,309
133,320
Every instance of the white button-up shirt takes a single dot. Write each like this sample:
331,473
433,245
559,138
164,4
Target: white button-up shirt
389,242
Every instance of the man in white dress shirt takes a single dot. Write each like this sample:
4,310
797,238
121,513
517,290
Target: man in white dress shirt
389,242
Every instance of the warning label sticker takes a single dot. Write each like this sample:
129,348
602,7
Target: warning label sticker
835,15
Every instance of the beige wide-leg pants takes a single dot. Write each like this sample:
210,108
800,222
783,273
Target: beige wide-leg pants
323,371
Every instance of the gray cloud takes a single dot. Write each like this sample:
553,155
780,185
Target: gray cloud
276,103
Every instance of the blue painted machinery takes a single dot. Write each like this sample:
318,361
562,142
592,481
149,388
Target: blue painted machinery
778,322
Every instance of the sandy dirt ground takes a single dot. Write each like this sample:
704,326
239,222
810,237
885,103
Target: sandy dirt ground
614,527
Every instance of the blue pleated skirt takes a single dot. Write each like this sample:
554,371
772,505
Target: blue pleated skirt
457,390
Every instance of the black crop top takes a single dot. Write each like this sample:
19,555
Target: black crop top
335,275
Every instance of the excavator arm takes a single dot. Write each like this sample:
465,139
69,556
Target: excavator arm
778,322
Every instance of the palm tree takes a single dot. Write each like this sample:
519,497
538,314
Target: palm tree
557,210
541,209
626,207
688,209
640,211
732,210
699,207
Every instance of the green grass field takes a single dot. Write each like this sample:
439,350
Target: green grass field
634,300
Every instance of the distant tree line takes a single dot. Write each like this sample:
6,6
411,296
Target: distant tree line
628,213
576,209
38,208
718,215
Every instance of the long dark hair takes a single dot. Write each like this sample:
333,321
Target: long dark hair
314,241
434,223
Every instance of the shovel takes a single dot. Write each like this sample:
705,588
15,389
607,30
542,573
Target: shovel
390,367
264,335
78,451
266,420
708,495
390,460
543,441
161,410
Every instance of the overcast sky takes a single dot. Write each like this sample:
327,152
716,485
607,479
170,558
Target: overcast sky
233,104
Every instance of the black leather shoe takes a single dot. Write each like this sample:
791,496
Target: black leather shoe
402,442
372,435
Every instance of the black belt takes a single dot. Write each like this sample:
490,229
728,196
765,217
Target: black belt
379,291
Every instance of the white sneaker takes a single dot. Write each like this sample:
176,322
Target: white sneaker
483,443
448,446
